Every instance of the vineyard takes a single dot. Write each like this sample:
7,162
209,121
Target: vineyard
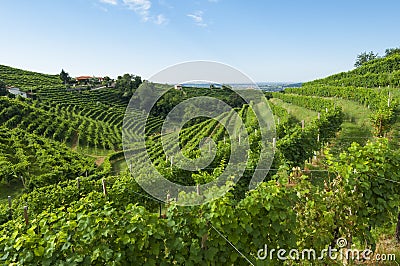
68,195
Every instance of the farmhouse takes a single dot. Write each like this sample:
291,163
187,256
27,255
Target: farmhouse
178,87
87,79
17,91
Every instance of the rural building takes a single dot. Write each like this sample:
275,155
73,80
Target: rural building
87,79
178,87
17,91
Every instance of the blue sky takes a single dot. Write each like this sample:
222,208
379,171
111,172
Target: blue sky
268,40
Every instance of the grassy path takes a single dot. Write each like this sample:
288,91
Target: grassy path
299,113
356,127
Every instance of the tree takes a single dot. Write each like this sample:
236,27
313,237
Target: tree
3,90
127,84
107,81
392,51
64,76
364,58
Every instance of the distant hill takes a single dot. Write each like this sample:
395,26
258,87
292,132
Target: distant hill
380,72
27,80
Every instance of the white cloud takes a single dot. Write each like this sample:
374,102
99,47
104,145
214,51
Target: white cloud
141,7
160,19
110,2
197,17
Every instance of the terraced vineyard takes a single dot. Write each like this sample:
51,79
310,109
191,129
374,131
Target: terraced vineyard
334,175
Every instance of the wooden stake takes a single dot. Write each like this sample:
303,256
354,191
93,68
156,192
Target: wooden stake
9,202
78,183
319,116
279,120
302,124
198,189
326,109
26,215
23,181
274,143
104,187
318,138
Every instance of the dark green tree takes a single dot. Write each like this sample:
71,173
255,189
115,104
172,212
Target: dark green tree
127,84
392,51
3,90
64,76
364,58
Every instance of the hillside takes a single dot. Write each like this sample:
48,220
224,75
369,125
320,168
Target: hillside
28,80
79,201
380,72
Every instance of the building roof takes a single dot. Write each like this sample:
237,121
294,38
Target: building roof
83,77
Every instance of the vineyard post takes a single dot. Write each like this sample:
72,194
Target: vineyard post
78,183
389,100
302,124
168,199
104,187
172,161
326,109
23,181
318,138
239,138
9,202
398,229
198,189
274,143
86,173
279,120
319,116
26,215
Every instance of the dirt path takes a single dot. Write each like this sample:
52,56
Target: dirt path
75,140
100,160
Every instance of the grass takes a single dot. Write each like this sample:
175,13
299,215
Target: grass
299,113
119,166
13,189
356,127
93,151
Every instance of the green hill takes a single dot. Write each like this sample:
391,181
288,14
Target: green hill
380,72
27,80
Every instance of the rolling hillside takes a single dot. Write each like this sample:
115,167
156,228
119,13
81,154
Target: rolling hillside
27,80
334,174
